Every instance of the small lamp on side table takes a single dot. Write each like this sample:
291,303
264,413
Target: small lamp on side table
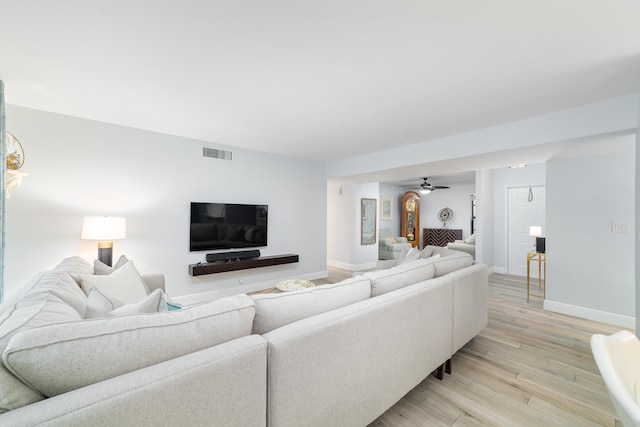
536,231
105,229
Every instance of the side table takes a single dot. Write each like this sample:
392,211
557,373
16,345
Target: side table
541,258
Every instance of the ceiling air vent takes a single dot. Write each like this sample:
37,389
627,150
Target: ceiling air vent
214,153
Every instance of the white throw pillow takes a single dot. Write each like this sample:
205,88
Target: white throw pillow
101,268
412,255
426,252
403,254
124,284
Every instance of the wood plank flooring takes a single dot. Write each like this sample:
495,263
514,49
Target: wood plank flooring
529,367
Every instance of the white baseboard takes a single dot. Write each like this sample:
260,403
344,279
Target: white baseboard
242,289
499,270
351,267
590,314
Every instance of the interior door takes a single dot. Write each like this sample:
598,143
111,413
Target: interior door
526,207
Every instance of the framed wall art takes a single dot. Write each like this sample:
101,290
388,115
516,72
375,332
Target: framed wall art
386,208
368,215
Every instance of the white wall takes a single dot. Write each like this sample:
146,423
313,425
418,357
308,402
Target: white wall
343,228
485,241
79,167
341,223
387,190
457,199
503,179
590,269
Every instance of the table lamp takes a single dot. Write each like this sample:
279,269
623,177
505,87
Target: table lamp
105,229
536,231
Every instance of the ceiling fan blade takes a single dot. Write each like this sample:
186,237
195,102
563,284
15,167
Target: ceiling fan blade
437,187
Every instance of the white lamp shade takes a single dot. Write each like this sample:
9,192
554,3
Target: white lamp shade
104,228
535,230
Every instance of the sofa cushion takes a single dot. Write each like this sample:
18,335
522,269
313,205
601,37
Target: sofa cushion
54,297
58,358
50,309
73,265
450,261
124,284
383,281
278,309
57,283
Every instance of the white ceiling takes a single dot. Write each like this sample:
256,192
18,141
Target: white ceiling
321,80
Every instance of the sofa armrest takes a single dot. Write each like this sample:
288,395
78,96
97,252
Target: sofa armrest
154,281
221,385
402,240
470,303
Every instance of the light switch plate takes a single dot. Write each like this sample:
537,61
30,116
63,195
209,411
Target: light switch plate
620,227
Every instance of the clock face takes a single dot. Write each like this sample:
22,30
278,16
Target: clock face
411,205
445,214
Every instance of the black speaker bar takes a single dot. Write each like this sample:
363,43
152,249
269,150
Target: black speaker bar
233,256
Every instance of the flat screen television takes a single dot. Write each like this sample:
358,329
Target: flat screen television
227,226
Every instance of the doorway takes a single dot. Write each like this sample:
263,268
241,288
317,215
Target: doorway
525,207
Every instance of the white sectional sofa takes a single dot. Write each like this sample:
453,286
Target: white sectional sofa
338,354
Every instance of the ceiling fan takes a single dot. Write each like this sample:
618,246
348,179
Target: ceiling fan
426,188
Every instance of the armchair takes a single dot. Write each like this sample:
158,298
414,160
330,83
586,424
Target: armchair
468,245
389,246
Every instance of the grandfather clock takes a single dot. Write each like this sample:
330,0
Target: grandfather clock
411,218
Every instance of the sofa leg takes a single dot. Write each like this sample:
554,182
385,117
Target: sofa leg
440,372
447,366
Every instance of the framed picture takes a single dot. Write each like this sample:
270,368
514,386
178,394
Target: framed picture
368,215
386,208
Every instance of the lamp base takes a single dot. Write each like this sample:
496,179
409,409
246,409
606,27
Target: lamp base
105,253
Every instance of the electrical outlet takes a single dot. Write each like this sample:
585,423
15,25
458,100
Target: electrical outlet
240,279
620,227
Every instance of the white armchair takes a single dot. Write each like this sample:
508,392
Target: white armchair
389,246
617,357
468,245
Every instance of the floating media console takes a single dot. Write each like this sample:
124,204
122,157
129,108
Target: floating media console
243,264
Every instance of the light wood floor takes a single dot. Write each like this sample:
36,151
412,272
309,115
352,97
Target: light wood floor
529,367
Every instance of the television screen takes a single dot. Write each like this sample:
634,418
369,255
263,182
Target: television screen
227,226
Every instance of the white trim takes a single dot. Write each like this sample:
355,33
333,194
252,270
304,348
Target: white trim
499,270
590,314
241,289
